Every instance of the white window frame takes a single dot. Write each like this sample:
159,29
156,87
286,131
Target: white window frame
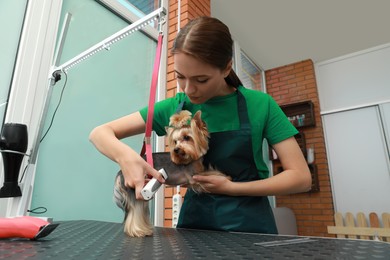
237,64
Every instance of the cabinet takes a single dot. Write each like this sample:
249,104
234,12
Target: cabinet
315,185
300,137
359,158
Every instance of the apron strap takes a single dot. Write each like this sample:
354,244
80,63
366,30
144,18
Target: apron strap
180,107
242,111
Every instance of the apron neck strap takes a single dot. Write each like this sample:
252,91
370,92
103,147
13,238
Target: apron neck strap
180,107
242,110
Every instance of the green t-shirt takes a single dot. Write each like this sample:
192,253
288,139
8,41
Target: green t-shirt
221,114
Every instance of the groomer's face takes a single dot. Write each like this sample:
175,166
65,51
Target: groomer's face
199,80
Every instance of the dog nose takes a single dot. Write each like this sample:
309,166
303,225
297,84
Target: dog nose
176,150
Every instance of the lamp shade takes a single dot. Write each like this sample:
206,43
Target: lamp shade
13,146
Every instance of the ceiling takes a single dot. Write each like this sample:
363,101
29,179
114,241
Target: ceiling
275,33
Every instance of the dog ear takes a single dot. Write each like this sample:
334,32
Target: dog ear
201,134
198,125
198,119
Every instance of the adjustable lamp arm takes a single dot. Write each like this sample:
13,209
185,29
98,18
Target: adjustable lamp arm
106,43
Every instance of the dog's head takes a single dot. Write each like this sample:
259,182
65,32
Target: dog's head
187,137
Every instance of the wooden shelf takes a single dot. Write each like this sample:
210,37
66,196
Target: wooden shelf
300,137
315,185
301,114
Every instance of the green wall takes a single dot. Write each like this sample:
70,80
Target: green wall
73,180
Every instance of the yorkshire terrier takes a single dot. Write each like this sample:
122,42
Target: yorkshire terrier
187,138
188,143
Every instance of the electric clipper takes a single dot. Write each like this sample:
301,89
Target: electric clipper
152,186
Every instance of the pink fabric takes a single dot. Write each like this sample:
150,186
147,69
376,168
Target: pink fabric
147,149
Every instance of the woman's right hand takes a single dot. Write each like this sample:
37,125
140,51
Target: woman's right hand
137,172
106,138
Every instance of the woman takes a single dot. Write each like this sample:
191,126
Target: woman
238,120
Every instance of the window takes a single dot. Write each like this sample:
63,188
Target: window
250,73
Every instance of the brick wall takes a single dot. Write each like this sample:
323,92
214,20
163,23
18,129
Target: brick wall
189,9
314,210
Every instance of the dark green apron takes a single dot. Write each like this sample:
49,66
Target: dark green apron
231,153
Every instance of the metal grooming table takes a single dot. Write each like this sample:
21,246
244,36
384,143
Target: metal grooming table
103,240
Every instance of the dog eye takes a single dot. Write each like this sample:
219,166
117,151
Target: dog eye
186,138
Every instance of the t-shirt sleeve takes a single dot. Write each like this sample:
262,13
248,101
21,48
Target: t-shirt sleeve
278,127
162,112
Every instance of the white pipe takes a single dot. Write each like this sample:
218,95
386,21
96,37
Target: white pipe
177,89
178,14
178,30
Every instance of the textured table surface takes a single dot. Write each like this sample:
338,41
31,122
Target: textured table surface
102,240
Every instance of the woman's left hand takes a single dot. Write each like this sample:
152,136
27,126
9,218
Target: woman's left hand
216,184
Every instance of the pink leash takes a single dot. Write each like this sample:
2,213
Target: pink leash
147,147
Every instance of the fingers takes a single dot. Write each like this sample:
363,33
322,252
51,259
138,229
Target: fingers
213,183
138,189
210,178
156,174
137,177
150,173
200,178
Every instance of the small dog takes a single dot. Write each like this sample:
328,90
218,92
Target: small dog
188,142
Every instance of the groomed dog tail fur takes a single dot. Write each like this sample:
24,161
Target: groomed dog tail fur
136,222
